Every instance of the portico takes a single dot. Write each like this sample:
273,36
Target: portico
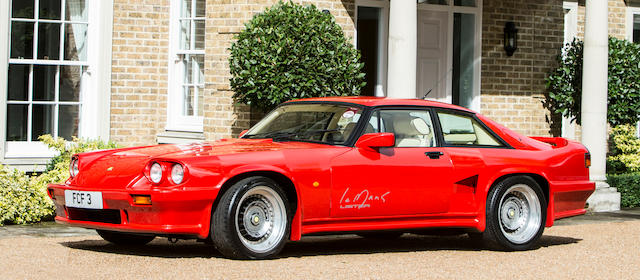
438,47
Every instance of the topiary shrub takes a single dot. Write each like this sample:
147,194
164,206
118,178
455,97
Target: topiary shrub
564,84
292,51
23,198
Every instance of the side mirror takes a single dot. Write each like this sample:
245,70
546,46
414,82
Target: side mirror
243,133
376,140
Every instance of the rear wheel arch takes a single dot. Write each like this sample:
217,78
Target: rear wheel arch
541,180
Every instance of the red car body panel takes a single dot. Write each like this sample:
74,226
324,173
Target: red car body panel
337,188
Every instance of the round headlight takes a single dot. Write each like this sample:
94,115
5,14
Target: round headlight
155,172
177,173
73,169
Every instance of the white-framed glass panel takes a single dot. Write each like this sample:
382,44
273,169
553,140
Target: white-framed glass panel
570,32
46,66
633,24
449,51
372,24
186,73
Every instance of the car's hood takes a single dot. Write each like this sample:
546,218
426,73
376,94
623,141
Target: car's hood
119,167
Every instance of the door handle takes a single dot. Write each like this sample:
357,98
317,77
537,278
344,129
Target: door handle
434,155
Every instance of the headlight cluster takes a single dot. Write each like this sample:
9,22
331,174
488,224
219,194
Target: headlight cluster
156,172
73,167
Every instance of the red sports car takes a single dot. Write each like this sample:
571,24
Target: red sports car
373,166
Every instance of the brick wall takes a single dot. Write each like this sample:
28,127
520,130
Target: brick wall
513,88
225,18
139,70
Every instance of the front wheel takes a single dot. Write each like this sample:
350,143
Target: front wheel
516,213
125,239
251,220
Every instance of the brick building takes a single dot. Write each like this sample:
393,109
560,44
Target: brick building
149,71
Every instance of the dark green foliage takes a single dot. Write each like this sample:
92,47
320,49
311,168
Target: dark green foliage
564,84
629,187
292,51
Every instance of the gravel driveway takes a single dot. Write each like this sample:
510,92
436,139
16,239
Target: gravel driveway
607,250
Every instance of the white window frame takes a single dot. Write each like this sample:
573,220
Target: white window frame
176,121
570,32
95,91
451,9
629,21
383,37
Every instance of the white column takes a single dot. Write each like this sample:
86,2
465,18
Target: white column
403,36
594,103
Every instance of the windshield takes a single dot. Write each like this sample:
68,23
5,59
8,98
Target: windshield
325,123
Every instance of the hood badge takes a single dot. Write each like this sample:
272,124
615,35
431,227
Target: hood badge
110,168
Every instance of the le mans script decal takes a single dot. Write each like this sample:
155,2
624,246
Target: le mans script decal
363,199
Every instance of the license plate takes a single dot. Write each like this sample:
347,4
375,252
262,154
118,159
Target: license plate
80,199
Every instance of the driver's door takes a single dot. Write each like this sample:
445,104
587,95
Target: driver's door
413,177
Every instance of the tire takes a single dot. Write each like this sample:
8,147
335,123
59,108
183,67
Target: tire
381,234
252,220
125,239
516,214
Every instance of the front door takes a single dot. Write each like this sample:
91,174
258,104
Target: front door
411,178
432,65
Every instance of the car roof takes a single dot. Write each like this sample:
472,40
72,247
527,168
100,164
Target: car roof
383,101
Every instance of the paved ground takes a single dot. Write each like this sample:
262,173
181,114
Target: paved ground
603,246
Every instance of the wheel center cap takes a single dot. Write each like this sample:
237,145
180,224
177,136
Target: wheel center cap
511,213
255,220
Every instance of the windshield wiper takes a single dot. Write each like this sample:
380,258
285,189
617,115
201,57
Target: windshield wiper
275,135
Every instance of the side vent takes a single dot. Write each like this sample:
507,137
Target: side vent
467,185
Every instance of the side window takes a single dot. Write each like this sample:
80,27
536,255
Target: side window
412,128
464,130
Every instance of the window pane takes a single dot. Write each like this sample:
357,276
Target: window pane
68,121
22,40
76,10
463,53
75,41
50,9
49,41
18,82
70,79
466,3
42,121
369,21
200,8
194,70
22,8
186,9
44,81
464,130
199,36
636,28
411,128
188,101
17,122
185,34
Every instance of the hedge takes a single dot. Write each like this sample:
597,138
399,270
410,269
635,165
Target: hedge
629,187
23,197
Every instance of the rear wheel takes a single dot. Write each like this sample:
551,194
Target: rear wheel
516,213
128,239
252,219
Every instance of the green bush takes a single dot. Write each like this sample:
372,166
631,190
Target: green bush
624,150
629,187
23,198
292,51
564,84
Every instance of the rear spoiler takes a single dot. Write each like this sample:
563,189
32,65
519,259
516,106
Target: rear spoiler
556,142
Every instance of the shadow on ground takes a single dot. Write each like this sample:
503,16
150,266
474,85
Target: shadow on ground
310,246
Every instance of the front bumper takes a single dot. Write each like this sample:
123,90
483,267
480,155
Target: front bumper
178,211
